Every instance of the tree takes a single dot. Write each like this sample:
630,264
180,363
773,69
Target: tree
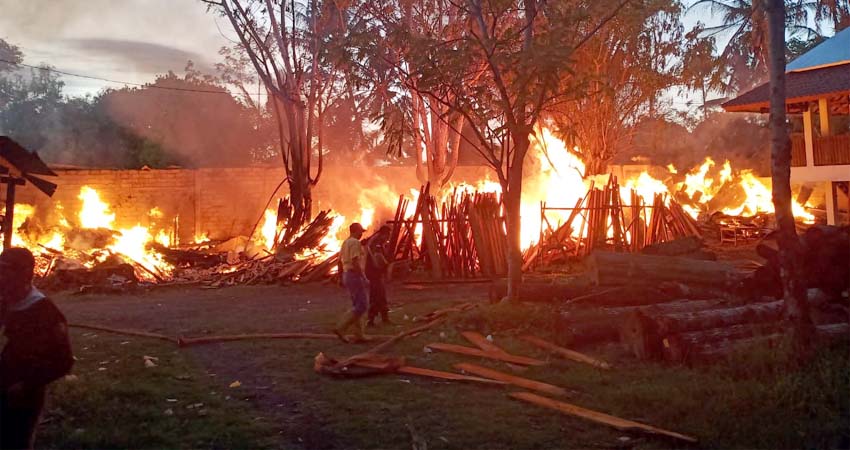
794,289
287,44
192,118
422,126
500,72
626,66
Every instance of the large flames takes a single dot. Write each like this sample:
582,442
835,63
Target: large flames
554,178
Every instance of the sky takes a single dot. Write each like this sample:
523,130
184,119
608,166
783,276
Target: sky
126,40
133,40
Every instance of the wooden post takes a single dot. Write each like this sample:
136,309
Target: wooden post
823,115
808,135
8,220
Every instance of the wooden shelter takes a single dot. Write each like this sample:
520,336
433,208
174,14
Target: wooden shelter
818,88
17,166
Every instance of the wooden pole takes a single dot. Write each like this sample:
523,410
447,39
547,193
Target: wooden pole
9,218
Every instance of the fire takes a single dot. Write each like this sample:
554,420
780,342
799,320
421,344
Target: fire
94,213
268,232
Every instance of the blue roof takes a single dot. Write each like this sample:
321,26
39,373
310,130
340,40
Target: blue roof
835,50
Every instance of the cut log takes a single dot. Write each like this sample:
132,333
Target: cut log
605,324
511,379
643,330
469,351
617,269
541,291
717,342
598,417
565,352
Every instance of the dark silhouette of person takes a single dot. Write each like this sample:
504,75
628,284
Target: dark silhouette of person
37,350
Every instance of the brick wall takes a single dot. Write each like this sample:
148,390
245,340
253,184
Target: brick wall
220,202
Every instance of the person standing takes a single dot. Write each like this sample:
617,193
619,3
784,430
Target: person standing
353,259
37,350
376,269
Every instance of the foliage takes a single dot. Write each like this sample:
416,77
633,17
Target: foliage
625,68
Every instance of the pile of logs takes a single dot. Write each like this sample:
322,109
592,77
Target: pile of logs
463,237
600,220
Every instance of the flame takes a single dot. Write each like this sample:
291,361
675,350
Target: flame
94,213
269,230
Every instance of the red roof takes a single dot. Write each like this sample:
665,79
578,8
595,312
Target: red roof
799,87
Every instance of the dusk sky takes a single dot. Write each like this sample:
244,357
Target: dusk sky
128,40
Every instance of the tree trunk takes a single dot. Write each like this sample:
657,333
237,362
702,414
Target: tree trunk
616,269
513,201
794,291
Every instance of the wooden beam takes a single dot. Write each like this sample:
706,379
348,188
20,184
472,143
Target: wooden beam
565,352
823,116
511,379
598,417
469,351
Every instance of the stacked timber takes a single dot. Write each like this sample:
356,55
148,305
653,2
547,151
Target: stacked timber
488,234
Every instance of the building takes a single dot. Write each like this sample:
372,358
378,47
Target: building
818,88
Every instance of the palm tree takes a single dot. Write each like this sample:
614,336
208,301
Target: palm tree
745,56
759,28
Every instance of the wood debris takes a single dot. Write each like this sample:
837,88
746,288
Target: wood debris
511,379
499,356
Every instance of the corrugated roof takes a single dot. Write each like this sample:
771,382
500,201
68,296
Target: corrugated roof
799,87
834,50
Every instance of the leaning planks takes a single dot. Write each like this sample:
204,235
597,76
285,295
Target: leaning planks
565,352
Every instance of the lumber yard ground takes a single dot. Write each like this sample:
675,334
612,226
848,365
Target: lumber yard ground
137,392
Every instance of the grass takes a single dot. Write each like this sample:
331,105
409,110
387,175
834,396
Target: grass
755,400
113,401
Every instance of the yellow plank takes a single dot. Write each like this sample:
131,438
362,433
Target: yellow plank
499,356
565,352
511,379
598,417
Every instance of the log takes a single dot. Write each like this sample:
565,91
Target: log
616,269
565,352
643,330
469,351
605,324
717,342
598,417
124,332
542,291
186,342
511,379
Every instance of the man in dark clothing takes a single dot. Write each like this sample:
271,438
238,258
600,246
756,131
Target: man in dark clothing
36,353
376,269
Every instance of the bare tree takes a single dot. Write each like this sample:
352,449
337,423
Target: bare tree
287,44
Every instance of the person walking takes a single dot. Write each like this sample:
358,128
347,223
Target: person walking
376,269
353,258
37,350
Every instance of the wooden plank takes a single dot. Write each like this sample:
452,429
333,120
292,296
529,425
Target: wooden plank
598,417
481,342
430,373
565,352
469,351
511,379
185,342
